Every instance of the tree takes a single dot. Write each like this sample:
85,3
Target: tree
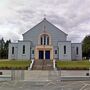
4,48
86,47
2,43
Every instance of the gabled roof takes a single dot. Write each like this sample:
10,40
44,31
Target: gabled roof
44,20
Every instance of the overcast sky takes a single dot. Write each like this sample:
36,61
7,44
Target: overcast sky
18,16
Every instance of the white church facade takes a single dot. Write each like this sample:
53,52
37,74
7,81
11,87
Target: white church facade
45,42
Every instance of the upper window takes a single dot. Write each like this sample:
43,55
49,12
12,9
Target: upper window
47,40
41,40
23,49
64,49
12,50
44,39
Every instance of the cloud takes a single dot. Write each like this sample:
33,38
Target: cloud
18,16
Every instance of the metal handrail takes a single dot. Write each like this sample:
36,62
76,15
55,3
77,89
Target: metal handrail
31,65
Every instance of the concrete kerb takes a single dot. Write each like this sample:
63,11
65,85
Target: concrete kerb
75,78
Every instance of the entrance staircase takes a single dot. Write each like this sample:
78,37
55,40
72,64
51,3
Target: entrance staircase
42,65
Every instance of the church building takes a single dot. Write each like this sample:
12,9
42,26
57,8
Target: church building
45,42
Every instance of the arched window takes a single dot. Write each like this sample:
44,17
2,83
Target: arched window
77,50
41,40
47,40
64,49
23,49
44,39
12,50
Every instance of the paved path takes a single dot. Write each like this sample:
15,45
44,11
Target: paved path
46,80
28,85
39,75
74,72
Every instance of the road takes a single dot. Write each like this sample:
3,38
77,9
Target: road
45,85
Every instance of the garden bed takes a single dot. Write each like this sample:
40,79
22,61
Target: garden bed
73,65
14,65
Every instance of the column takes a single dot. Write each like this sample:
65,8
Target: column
46,40
44,54
42,40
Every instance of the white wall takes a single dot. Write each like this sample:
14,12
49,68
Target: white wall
10,55
74,55
27,54
63,56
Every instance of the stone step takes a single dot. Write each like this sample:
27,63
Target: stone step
43,65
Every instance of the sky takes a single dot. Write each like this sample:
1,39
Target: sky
18,16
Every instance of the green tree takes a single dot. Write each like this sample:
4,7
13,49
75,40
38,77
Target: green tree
86,46
2,43
4,48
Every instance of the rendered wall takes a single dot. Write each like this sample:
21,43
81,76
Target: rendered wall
27,54
63,56
74,55
55,33
15,55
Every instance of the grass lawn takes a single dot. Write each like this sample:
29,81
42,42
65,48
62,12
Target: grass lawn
73,65
14,64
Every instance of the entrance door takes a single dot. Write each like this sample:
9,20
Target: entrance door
41,54
47,54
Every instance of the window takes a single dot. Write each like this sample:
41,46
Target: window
77,50
64,49
55,51
23,49
47,40
41,40
12,50
44,40
32,51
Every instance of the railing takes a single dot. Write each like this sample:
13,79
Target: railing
31,65
54,62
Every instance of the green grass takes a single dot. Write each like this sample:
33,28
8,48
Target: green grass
14,64
73,65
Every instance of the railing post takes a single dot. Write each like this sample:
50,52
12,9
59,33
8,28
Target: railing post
31,65
54,61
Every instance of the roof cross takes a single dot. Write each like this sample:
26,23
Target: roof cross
44,16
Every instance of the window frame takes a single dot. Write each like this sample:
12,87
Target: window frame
77,50
47,40
41,40
32,51
65,49
23,51
13,50
44,39
55,51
